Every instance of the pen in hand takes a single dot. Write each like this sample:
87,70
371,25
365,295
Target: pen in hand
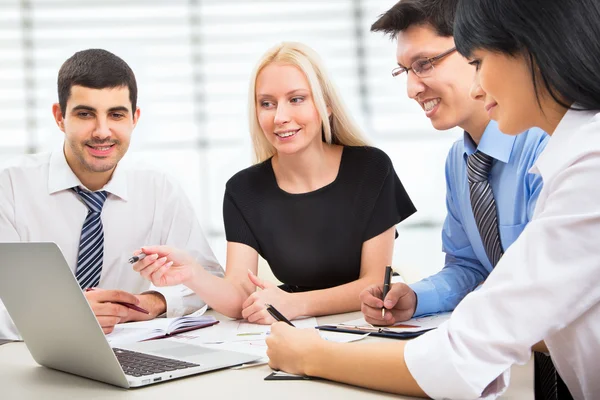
128,305
277,315
137,258
386,286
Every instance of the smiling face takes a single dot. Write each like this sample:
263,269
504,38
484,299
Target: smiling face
285,109
97,126
506,86
444,94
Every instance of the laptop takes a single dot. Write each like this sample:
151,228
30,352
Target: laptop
60,330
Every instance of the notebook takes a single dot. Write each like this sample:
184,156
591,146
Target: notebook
401,330
157,328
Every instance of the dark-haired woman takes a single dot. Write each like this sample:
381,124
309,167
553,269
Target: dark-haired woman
537,63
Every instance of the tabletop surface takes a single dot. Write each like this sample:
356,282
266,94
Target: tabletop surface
22,378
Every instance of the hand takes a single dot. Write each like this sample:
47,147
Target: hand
290,349
254,309
107,311
153,302
166,266
400,304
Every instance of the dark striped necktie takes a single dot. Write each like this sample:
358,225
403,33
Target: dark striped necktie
548,384
91,242
483,204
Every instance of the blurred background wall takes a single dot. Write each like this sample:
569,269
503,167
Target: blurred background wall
193,59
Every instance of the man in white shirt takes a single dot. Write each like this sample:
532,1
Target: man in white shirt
97,207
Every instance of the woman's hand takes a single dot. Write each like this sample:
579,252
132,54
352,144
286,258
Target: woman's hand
254,308
166,266
291,349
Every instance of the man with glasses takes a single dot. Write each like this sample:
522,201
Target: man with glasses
490,195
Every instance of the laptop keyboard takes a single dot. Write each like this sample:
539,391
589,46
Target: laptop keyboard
140,364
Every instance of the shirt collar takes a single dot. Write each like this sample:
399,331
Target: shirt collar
61,176
557,150
493,143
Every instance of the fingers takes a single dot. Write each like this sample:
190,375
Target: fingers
373,316
371,296
111,296
147,261
157,276
108,323
397,292
273,344
161,251
255,280
110,310
253,298
152,267
371,305
262,318
252,307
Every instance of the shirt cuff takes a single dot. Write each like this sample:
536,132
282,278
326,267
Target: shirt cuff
443,374
180,300
427,298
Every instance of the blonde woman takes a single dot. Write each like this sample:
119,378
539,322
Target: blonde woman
319,205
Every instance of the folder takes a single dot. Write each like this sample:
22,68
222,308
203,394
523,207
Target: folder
402,330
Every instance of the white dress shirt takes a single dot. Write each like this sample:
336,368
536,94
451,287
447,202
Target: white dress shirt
143,207
546,286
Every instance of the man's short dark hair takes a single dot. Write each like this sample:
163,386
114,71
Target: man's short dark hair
439,14
95,69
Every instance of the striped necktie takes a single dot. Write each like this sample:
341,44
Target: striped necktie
483,204
548,384
91,243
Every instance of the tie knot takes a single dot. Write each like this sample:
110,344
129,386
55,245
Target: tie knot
478,167
93,200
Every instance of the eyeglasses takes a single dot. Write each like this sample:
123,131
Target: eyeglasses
422,67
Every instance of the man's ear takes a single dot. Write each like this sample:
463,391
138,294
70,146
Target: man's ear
58,116
136,116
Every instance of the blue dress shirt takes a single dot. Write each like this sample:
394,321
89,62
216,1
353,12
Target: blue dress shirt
515,191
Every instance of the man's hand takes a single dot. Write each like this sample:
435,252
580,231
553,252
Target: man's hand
400,304
153,302
105,305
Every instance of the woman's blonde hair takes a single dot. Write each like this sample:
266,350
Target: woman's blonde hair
340,128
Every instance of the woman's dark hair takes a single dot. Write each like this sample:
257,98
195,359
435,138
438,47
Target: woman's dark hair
561,39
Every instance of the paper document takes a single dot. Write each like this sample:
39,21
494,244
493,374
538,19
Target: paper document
341,337
425,322
249,331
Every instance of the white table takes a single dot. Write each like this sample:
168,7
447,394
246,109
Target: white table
22,378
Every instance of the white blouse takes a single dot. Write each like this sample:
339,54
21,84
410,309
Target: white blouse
545,287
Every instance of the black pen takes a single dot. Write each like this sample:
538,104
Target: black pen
277,315
137,258
386,286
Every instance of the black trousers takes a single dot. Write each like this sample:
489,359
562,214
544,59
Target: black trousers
541,391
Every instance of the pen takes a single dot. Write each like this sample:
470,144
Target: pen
277,315
128,305
386,286
137,258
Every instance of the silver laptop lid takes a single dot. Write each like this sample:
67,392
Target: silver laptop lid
48,307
